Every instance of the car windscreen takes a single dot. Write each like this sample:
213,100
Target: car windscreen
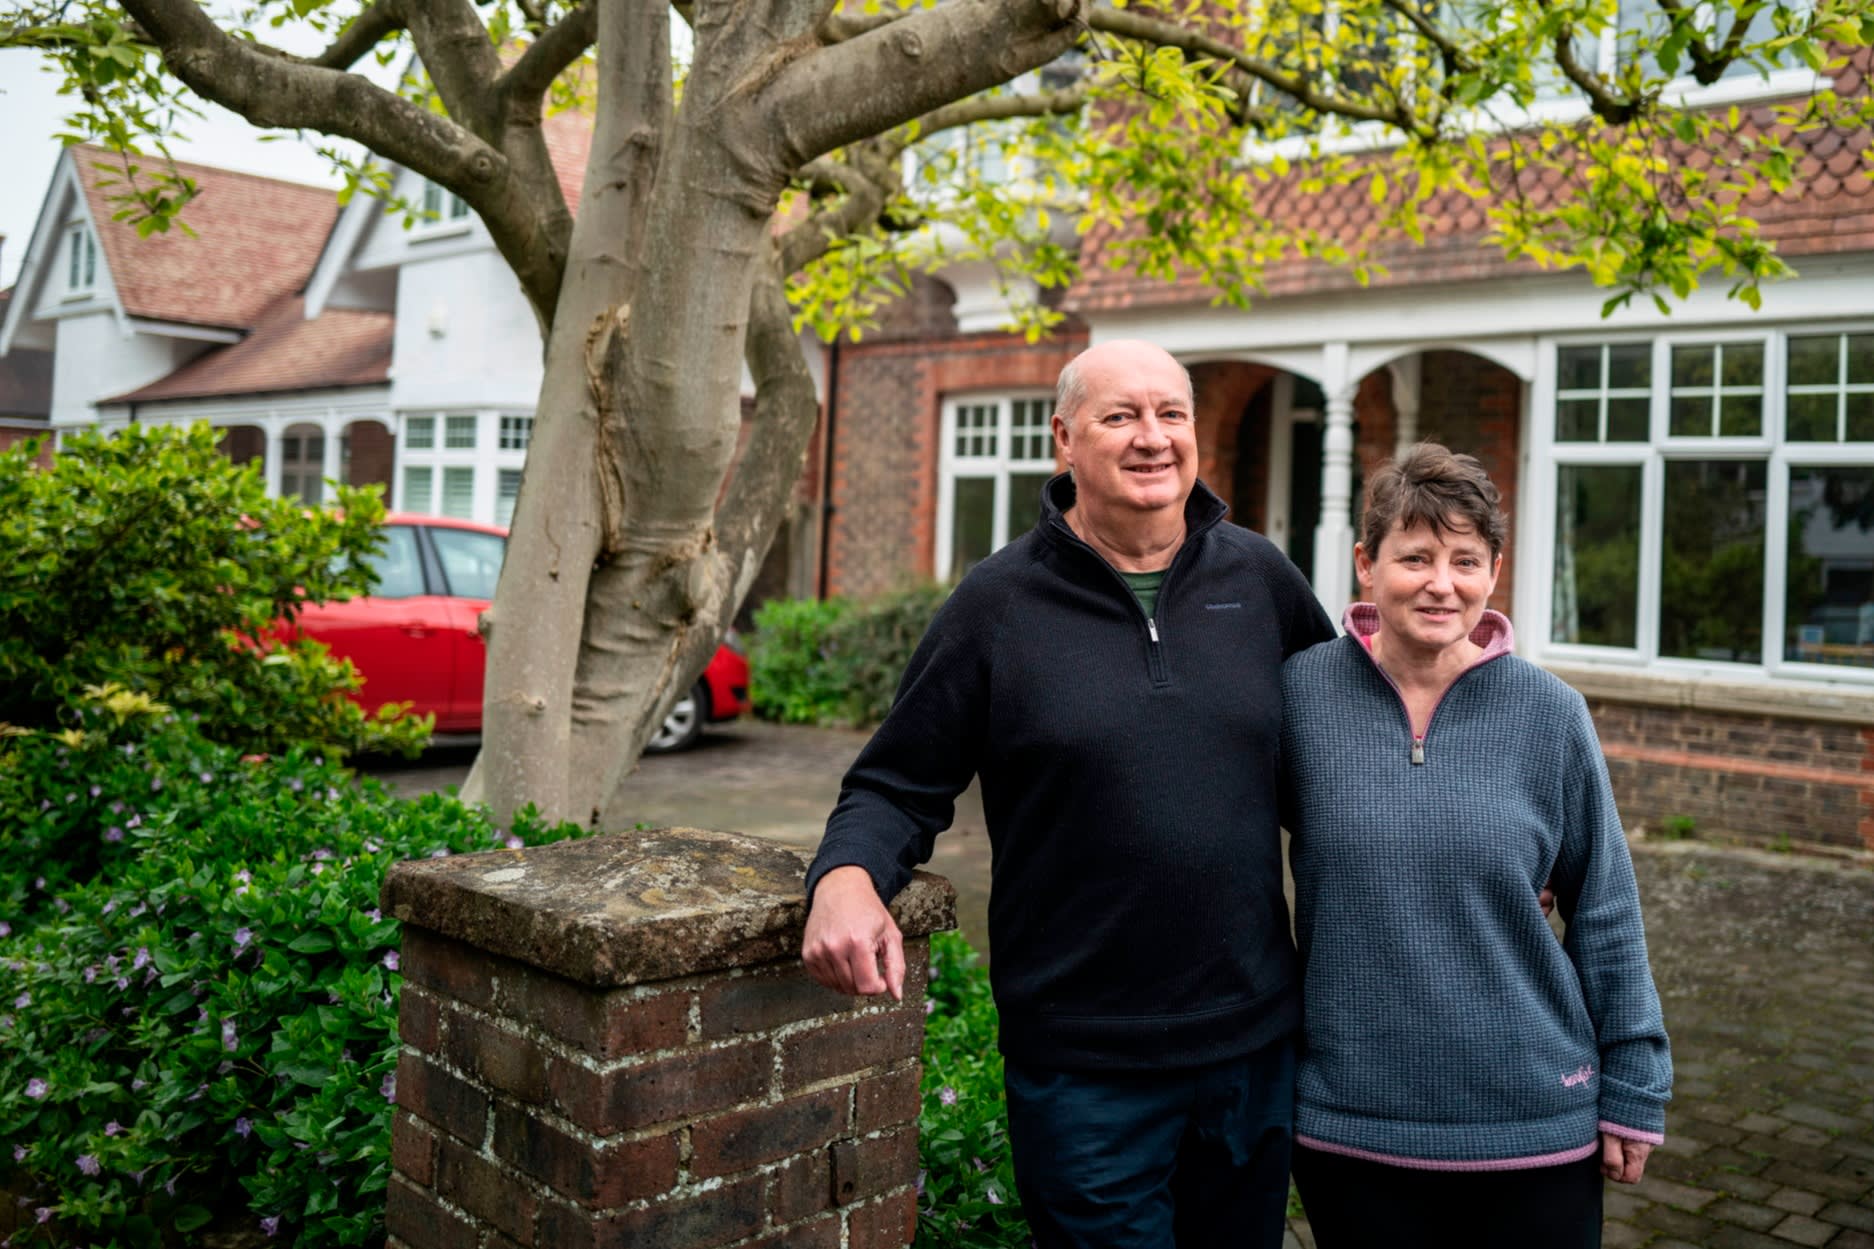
399,565
471,561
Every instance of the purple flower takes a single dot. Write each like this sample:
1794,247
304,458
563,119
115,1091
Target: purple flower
169,1186
138,1085
317,868
88,1164
208,778
110,906
19,1153
135,821
271,1225
39,882
995,1198
331,795
156,784
113,833
243,1127
244,876
947,1095
392,961
930,1004
229,1038
91,973
45,804
440,852
142,959
296,784
374,915
43,1214
117,806
6,929
36,1088
512,842
61,905
389,1087
113,1128
96,790
920,1182
372,845
242,936
22,1001
122,983
321,854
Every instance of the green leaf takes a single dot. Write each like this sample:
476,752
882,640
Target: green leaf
310,943
189,1218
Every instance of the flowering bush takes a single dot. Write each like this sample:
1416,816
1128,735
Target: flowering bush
148,559
198,1017
967,1198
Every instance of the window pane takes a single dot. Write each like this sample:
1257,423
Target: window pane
459,433
1627,420
458,493
1815,361
419,433
976,429
75,263
1578,368
1029,435
516,432
1812,418
1861,418
432,199
1597,555
1743,364
1829,600
972,523
1024,502
458,207
1691,416
398,566
1694,366
1711,580
416,491
471,561
1578,420
1861,358
507,490
91,260
1740,416
1630,366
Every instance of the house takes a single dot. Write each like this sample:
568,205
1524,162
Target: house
1692,497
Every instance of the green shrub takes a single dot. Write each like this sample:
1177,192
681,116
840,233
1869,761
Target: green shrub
148,559
198,1027
837,661
968,1198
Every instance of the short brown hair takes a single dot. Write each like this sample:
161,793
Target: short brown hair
1433,485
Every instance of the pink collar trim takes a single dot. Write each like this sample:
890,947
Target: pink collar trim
1493,631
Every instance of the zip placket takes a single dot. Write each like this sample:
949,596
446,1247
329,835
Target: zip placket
1154,650
1418,743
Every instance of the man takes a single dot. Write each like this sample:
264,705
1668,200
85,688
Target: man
1114,678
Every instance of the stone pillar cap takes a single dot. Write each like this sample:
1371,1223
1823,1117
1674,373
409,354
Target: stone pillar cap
626,908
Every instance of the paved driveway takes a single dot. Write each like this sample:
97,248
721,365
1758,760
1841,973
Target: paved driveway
1765,963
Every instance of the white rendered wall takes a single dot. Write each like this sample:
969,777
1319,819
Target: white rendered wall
465,338
94,358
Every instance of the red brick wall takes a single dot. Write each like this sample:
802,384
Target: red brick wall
373,451
533,1110
1224,392
888,417
1760,777
244,444
10,438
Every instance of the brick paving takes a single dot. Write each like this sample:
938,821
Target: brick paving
1765,964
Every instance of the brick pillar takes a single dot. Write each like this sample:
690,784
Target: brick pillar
611,1043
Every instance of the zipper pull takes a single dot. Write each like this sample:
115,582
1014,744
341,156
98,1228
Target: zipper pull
1152,627
1418,750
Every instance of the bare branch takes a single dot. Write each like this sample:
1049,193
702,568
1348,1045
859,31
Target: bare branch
1454,55
526,81
1130,25
910,67
461,61
364,32
533,10
1607,105
839,27
988,108
864,200
1709,66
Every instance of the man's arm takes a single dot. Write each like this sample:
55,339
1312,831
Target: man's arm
853,945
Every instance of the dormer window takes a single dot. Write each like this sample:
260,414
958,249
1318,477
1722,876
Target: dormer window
81,260
442,207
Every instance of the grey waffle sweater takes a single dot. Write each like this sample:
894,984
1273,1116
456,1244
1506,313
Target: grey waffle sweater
1444,1026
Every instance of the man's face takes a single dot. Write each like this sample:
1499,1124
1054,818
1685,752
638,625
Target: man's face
1132,440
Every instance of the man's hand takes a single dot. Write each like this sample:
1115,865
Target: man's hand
1623,1161
852,945
1545,898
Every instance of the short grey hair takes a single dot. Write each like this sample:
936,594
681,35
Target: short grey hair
1070,389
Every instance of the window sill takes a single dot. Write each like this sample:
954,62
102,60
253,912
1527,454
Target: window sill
1783,699
440,230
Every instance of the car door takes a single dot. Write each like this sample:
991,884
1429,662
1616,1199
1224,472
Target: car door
470,560
399,637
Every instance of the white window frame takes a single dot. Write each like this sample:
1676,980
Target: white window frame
487,457
999,466
451,213
1779,458
79,235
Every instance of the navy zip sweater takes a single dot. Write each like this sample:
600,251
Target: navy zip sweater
1128,772
1446,1028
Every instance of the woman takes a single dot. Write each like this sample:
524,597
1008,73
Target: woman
1465,1078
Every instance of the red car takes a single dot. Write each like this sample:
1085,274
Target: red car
415,640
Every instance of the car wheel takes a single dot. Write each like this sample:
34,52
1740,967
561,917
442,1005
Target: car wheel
683,725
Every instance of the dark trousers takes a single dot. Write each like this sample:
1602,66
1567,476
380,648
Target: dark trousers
1196,1158
1354,1204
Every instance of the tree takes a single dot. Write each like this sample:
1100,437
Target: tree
770,187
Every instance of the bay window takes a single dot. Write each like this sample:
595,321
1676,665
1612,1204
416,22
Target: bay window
997,452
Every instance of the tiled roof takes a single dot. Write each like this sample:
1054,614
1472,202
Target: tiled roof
1829,208
285,352
25,376
255,239
569,143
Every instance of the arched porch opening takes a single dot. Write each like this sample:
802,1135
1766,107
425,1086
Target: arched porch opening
367,453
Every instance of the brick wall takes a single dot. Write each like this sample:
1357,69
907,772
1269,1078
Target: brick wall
1757,776
10,438
373,451
1227,432
645,1063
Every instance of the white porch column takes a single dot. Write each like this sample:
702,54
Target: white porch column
274,427
330,429
1333,536
1406,384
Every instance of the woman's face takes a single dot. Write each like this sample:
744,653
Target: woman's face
1430,587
